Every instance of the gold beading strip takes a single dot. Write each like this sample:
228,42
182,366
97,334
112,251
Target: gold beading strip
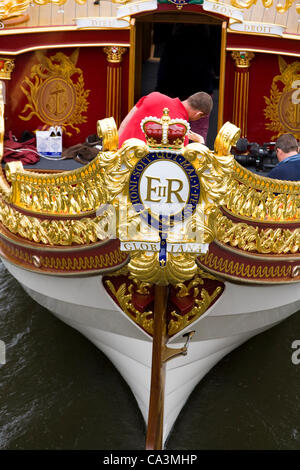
235,268
81,263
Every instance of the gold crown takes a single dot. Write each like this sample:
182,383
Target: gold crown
165,132
6,68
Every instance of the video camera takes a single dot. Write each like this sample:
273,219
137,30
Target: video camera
261,157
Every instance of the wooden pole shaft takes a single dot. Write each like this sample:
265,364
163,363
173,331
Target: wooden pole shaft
154,439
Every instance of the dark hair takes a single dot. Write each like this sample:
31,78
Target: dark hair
201,101
287,143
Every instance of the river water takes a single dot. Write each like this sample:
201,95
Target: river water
57,391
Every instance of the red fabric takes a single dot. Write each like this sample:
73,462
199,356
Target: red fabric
23,151
152,105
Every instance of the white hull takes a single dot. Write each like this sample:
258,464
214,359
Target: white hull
241,312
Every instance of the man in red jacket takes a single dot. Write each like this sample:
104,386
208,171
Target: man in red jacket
193,108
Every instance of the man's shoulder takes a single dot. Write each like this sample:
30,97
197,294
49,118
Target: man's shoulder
157,96
288,169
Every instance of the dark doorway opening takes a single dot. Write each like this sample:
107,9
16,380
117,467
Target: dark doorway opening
179,59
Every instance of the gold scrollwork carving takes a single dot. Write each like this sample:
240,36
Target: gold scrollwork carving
10,8
249,238
108,132
227,136
192,288
123,296
57,232
80,190
266,3
178,322
146,267
261,198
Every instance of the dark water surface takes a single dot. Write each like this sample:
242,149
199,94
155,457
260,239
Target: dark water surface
57,391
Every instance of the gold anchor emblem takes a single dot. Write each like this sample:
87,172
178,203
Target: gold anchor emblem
57,101
55,92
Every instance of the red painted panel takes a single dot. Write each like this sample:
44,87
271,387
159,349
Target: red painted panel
263,43
264,67
92,61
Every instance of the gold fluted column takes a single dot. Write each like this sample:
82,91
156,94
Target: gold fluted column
114,80
6,68
241,89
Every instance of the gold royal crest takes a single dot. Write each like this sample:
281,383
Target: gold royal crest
52,93
283,105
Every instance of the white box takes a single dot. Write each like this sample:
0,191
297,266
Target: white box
49,143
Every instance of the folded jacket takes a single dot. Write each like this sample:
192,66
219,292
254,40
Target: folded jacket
24,151
85,152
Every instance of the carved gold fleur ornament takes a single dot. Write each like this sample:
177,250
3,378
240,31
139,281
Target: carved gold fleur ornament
214,170
55,92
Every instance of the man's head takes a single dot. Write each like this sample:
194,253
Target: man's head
198,105
286,146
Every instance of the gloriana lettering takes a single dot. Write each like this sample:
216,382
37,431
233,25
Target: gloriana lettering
139,246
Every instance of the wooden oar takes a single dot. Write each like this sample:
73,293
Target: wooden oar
160,355
156,406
